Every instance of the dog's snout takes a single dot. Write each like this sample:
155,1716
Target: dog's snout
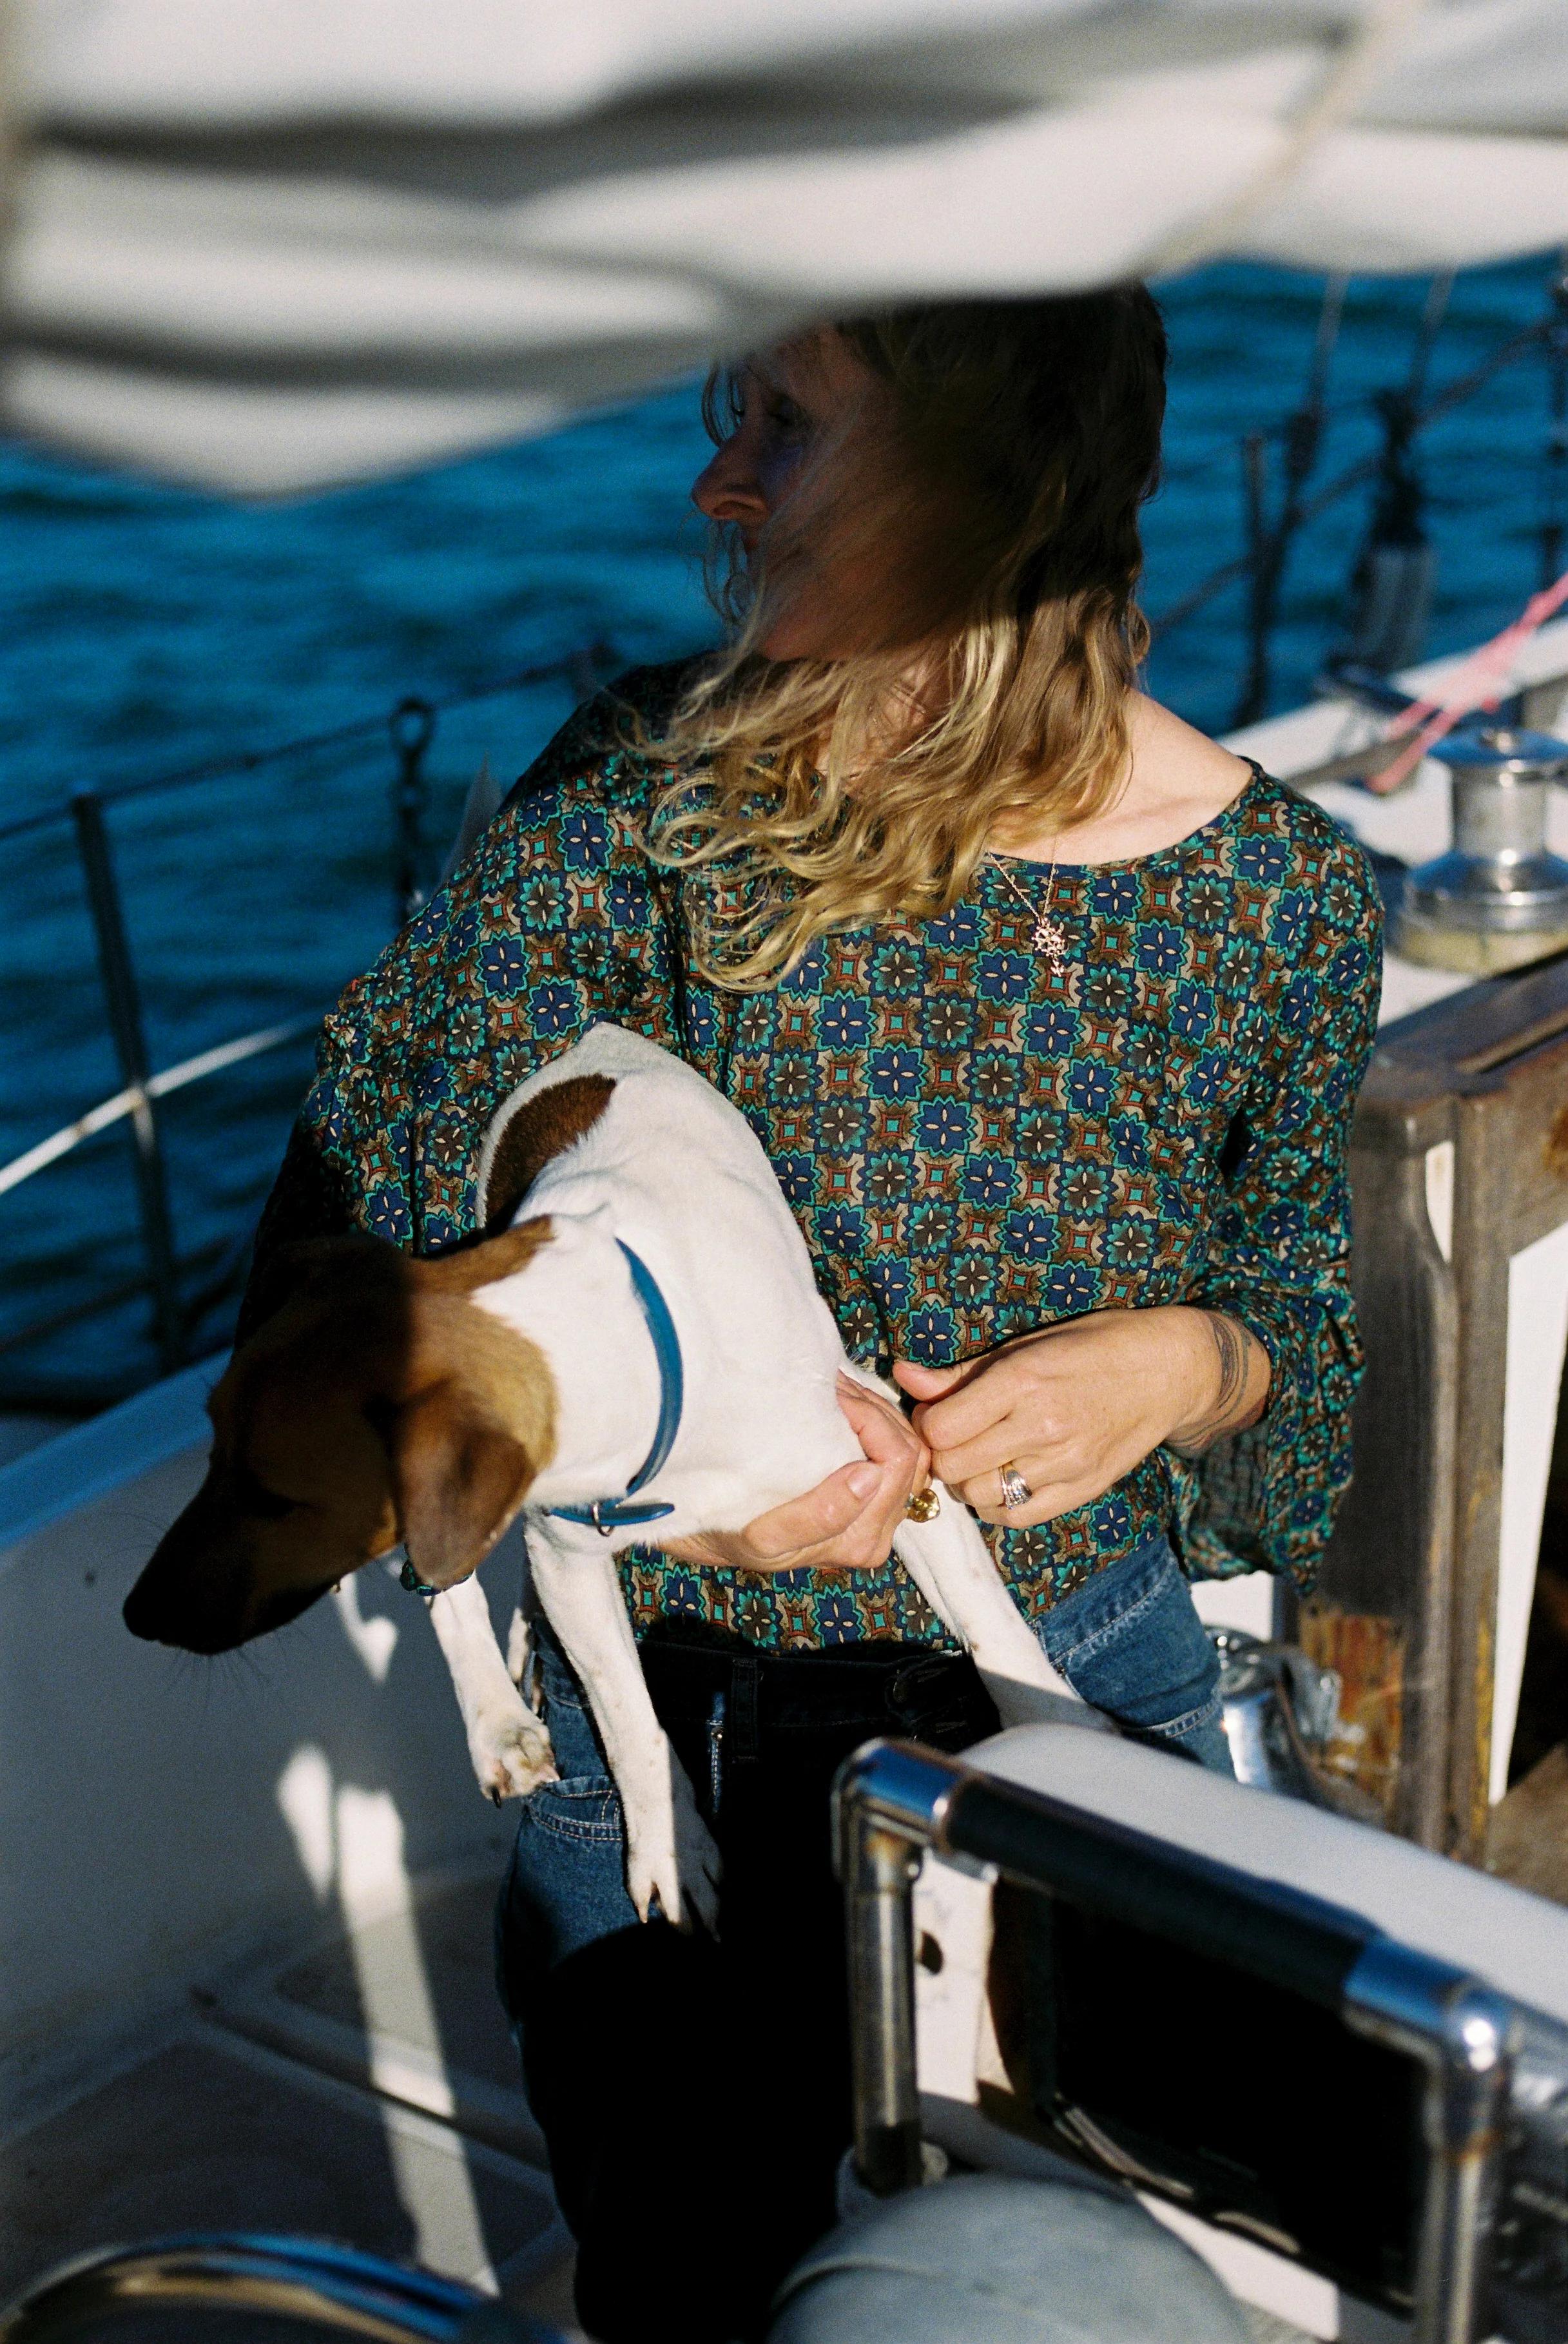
162,1608
196,1592
143,1614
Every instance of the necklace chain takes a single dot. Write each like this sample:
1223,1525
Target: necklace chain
1049,937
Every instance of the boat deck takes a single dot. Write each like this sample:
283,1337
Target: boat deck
269,2105
352,2081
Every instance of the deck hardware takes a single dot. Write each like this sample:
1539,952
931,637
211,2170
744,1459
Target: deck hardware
1279,1710
338,2290
1499,897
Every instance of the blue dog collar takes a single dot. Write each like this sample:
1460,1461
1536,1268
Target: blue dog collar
608,1515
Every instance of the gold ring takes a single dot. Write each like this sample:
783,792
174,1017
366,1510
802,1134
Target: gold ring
923,1505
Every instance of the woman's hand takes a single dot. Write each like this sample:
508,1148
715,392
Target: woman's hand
1075,1408
846,1522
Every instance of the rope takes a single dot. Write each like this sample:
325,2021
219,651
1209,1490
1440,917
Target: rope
1480,683
1345,85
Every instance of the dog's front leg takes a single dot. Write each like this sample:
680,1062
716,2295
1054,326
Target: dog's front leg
509,1746
670,1852
951,1565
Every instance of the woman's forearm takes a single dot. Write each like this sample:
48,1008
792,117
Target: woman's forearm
1237,1371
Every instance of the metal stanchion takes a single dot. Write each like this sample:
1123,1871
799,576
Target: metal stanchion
881,1959
1490,2219
884,1804
123,1005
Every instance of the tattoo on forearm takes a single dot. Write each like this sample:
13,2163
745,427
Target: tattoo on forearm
1233,1346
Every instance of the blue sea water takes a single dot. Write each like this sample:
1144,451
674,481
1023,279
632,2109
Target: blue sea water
144,631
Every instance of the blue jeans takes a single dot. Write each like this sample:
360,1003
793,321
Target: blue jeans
694,2095
1130,1640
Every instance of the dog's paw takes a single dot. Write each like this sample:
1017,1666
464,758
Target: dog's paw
652,1872
511,1751
671,1861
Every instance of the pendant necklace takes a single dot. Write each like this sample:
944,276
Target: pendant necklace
1049,938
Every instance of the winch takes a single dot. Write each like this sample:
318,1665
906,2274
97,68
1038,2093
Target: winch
1499,897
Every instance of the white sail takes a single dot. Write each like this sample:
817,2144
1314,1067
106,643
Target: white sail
329,239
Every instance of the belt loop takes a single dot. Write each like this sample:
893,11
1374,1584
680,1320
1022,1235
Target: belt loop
741,1724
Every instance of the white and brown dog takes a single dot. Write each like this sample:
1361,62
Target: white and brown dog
644,1344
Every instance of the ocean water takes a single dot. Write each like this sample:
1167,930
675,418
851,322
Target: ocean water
144,631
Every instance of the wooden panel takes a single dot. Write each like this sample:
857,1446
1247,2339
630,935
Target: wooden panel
1483,1174
1380,1613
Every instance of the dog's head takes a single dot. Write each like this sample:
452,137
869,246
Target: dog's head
375,1403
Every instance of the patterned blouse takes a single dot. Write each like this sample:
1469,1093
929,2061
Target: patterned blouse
973,1145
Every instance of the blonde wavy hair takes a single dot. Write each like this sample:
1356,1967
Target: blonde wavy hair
999,502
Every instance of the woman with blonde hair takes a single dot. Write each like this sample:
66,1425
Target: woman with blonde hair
1050,1015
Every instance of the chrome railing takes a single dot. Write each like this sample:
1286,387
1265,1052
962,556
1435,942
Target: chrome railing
411,726
1489,2252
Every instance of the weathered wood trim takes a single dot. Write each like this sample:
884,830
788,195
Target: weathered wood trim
1382,1608
1483,1175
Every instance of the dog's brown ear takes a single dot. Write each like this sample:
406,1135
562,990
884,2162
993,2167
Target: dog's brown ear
458,1479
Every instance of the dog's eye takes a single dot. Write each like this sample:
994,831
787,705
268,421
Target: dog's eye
256,1497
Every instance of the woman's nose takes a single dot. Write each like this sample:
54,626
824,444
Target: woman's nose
729,488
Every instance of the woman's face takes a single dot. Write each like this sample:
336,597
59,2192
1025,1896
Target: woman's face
811,438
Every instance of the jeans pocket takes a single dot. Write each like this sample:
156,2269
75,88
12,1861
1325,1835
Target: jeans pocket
567,1882
584,1807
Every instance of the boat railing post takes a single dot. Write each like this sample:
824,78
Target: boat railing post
1261,577
887,1802
122,1006
1467,2037
882,1970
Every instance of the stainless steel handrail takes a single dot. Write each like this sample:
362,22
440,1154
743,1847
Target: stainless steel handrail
893,1800
134,1105
124,1102
314,2281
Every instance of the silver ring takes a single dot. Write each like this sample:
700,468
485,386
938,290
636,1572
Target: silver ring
1015,1491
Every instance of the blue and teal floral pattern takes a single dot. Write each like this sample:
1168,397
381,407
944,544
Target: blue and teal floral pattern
973,1144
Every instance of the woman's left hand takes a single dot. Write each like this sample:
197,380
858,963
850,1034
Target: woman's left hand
1076,1407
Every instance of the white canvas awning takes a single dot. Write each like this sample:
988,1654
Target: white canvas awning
273,248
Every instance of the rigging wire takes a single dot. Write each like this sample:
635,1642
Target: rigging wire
1395,567
1268,547
1439,294
580,668
1354,475
1554,460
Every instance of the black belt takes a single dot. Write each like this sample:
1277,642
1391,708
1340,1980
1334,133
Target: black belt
905,1689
